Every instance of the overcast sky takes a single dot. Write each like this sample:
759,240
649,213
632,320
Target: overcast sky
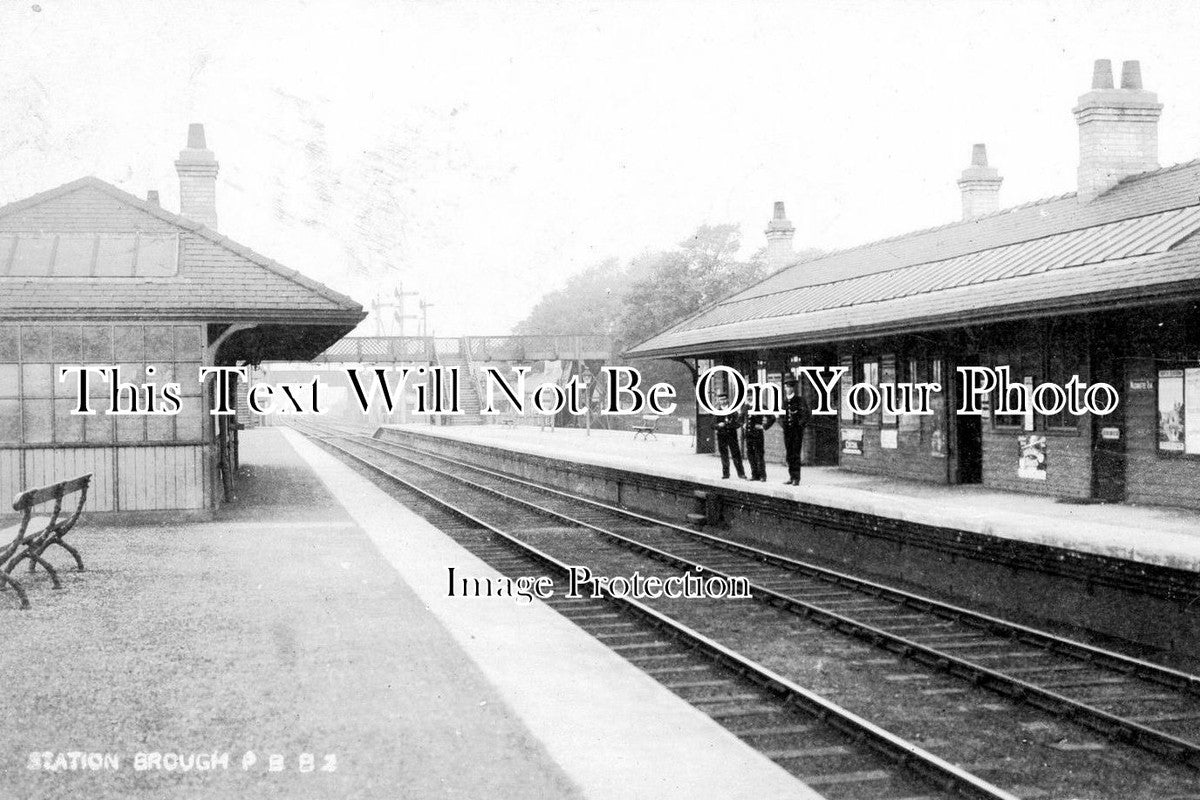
482,152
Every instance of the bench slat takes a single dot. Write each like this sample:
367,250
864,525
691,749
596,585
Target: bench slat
55,491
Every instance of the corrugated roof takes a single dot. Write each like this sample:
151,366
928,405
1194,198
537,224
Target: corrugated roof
216,277
979,263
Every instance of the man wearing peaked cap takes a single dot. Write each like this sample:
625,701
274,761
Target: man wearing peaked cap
755,450
796,413
726,427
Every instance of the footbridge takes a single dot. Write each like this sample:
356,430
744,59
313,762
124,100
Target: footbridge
550,358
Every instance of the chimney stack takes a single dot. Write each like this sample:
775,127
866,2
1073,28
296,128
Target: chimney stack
152,198
197,170
779,239
980,185
1118,129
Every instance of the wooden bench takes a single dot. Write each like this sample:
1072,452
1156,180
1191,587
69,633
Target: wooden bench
646,429
34,535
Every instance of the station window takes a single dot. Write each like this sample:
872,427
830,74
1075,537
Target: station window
909,369
844,412
933,427
859,369
35,407
1056,362
1062,363
867,371
1021,366
791,368
889,370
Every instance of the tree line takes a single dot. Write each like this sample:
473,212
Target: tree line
632,301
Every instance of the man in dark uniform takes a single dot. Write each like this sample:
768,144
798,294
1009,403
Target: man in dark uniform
727,437
755,452
796,413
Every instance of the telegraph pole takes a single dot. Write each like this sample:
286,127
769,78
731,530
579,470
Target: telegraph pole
400,315
424,317
397,308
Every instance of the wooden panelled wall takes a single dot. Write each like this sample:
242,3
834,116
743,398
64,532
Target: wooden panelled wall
148,478
140,464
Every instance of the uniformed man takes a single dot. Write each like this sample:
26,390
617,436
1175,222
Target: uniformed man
727,437
755,451
796,413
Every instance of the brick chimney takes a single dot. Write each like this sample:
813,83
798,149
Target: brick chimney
779,239
197,170
1118,129
980,185
152,198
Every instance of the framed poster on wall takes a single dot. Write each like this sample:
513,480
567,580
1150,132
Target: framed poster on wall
852,440
1031,457
1191,411
1170,411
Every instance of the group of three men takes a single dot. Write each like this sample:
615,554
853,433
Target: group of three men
793,419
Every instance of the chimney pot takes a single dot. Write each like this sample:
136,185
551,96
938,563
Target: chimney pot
196,136
197,170
1131,75
779,239
152,198
980,185
1118,130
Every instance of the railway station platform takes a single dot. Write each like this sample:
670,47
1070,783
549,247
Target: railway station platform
608,728
1110,574
311,618
1161,536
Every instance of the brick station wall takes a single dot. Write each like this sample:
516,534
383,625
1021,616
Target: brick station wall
911,459
1068,462
1152,477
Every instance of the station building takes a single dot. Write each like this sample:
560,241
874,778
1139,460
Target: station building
91,275
1102,282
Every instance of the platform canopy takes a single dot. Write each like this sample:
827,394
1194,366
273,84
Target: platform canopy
1134,244
90,251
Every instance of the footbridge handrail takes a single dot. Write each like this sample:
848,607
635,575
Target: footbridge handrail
390,349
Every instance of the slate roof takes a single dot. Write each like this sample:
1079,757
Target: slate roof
216,278
1132,244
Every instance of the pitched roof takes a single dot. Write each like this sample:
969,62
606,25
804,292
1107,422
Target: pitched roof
177,268
1130,244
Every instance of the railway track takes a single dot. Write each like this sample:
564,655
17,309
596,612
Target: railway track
1122,698
827,747
1155,707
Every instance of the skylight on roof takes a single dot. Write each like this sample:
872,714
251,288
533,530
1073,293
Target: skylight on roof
136,255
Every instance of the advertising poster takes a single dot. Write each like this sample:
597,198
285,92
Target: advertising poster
937,425
379,381
1172,417
1191,410
852,441
1031,458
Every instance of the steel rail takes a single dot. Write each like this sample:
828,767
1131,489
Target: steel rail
1111,725
1140,668
1166,676
904,753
